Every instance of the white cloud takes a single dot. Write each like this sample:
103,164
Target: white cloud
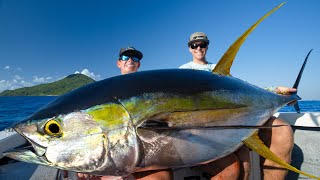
19,82
9,68
17,77
14,84
25,83
89,74
37,79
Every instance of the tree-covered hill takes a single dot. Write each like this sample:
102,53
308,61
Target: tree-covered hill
55,88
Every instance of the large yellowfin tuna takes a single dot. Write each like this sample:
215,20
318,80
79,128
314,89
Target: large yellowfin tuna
150,120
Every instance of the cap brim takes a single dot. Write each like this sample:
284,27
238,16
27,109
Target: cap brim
197,40
132,52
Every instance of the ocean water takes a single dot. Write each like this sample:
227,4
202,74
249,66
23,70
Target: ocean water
17,108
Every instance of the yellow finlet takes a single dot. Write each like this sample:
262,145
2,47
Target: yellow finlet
225,63
259,147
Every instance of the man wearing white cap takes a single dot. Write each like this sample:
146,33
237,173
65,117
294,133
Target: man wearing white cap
279,140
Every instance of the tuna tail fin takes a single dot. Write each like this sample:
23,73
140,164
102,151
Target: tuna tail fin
225,63
259,147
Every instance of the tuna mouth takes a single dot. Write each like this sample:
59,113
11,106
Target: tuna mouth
28,152
20,149
37,149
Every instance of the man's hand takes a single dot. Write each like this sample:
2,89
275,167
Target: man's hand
285,90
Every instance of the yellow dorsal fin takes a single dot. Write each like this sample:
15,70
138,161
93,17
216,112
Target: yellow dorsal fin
225,63
258,146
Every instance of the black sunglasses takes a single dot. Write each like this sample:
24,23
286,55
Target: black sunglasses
201,45
126,58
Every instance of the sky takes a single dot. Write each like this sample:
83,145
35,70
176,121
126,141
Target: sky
44,41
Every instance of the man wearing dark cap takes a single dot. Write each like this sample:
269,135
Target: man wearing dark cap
129,60
279,140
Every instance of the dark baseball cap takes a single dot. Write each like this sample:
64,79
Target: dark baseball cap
130,51
198,36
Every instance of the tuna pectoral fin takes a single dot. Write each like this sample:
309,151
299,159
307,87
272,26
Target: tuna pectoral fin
258,146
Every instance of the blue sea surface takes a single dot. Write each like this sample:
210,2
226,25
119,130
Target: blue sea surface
17,108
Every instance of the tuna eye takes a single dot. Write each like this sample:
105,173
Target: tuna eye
52,128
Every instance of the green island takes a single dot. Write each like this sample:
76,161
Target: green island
51,89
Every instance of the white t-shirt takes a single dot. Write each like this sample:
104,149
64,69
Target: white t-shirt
204,67
209,67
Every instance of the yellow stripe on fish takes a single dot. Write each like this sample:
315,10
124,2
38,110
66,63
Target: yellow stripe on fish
109,115
149,105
